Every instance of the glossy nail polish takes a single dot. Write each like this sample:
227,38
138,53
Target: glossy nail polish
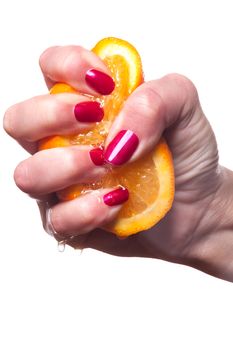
99,81
97,156
116,197
88,112
121,148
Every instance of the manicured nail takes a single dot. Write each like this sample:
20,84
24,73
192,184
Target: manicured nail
88,112
97,156
99,81
116,197
121,148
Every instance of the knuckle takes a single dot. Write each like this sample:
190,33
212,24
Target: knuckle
45,56
148,102
73,164
71,60
8,122
79,165
92,212
184,82
72,157
152,99
88,210
189,95
50,111
22,177
59,112
147,96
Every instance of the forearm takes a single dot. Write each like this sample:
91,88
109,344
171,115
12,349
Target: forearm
212,251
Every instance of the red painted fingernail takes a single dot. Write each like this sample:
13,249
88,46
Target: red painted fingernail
88,112
121,148
116,197
97,156
99,81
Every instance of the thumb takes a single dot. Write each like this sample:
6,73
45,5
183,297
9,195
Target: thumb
151,109
171,106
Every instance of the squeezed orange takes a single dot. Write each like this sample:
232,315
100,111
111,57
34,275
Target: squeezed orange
150,180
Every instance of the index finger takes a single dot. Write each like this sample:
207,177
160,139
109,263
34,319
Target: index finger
78,67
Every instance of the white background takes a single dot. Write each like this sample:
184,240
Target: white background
52,300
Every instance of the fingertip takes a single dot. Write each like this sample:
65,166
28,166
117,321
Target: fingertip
97,156
78,67
99,81
116,197
88,112
121,148
137,128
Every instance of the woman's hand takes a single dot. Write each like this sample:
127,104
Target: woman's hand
197,229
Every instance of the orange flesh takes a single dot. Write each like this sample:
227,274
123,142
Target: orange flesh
136,177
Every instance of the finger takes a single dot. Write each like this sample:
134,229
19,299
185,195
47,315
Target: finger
42,116
152,108
54,169
85,213
78,67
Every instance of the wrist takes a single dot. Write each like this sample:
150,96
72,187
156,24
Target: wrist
212,249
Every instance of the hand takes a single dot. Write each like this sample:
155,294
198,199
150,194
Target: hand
189,234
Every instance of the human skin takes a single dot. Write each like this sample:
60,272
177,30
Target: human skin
198,230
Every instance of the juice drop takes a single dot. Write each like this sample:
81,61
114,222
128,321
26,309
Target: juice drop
61,246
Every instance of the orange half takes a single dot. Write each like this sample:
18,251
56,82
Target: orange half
150,180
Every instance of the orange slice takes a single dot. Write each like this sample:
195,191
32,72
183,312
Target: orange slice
150,180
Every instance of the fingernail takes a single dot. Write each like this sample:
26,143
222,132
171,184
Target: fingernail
116,197
99,81
88,112
121,148
97,156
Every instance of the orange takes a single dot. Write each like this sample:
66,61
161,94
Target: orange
150,180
